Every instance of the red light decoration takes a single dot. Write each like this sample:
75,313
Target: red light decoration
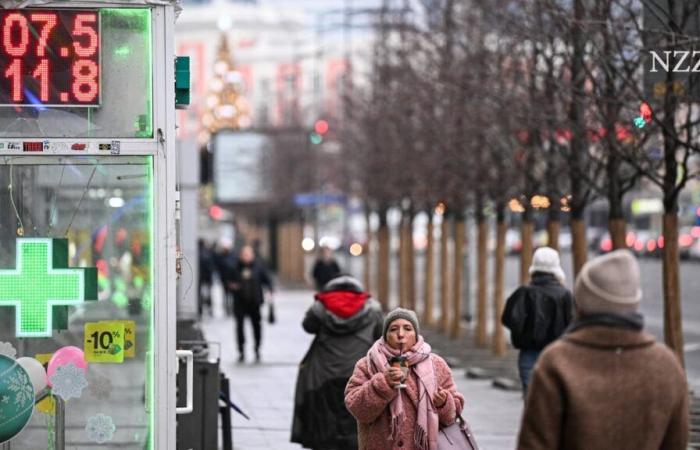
645,112
321,127
215,212
52,56
606,245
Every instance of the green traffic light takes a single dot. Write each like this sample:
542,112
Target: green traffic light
316,138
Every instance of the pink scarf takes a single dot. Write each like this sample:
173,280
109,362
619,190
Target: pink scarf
420,362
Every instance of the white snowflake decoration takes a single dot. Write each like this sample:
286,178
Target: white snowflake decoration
20,385
68,381
8,350
100,428
100,387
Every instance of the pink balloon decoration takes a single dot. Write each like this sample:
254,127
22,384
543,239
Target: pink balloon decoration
63,356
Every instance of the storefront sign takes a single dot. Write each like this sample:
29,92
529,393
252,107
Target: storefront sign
104,342
42,286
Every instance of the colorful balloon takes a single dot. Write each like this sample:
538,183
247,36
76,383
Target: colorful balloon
63,356
36,372
16,398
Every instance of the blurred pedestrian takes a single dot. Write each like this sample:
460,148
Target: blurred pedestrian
346,322
224,264
249,278
606,384
538,313
402,407
206,274
325,268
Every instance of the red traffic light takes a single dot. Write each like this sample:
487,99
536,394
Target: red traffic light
321,127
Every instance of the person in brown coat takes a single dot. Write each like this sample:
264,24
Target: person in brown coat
401,408
606,384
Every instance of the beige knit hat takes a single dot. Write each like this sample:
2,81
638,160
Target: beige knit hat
609,284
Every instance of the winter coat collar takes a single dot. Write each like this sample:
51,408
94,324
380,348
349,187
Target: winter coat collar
543,279
608,337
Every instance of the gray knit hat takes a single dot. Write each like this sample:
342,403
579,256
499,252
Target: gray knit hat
401,313
609,284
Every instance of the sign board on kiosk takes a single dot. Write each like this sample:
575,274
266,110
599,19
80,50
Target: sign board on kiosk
87,133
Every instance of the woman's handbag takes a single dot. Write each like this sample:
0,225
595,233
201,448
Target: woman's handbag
457,436
271,318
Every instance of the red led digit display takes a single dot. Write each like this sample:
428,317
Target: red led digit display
50,57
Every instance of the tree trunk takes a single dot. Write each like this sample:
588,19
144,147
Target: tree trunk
499,343
403,246
618,233
298,251
526,231
457,275
429,287
482,274
579,249
553,226
367,255
411,265
383,261
673,325
444,275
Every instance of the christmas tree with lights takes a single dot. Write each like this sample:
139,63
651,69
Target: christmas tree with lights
225,106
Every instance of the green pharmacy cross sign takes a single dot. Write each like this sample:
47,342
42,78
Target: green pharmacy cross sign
42,286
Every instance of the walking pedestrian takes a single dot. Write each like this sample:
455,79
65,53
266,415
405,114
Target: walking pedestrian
325,268
401,407
538,313
224,264
606,384
206,273
346,322
249,278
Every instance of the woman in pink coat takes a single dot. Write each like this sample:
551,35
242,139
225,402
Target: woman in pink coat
408,418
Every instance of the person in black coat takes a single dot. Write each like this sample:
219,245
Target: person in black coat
325,268
346,322
248,279
538,313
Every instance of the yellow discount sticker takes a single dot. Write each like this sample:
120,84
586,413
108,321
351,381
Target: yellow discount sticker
104,342
129,336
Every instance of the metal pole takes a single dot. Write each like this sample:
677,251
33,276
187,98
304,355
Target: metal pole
226,416
60,423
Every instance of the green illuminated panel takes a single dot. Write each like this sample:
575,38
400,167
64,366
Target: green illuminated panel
122,52
42,285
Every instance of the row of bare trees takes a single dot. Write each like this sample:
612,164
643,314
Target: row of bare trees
471,105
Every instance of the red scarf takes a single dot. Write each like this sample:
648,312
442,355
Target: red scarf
343,304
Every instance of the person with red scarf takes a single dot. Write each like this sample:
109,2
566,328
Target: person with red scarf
346,321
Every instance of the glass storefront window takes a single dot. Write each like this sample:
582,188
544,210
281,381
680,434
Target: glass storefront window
104,207
126,109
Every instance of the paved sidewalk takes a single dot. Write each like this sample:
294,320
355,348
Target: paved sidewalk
265,391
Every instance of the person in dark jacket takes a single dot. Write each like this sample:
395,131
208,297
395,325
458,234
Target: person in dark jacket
346,321
606,384
249,277
538,313
206,275
325,268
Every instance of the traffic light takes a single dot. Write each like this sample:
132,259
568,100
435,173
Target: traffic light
320,129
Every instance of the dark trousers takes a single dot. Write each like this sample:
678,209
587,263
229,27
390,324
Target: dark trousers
526,361
240,312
